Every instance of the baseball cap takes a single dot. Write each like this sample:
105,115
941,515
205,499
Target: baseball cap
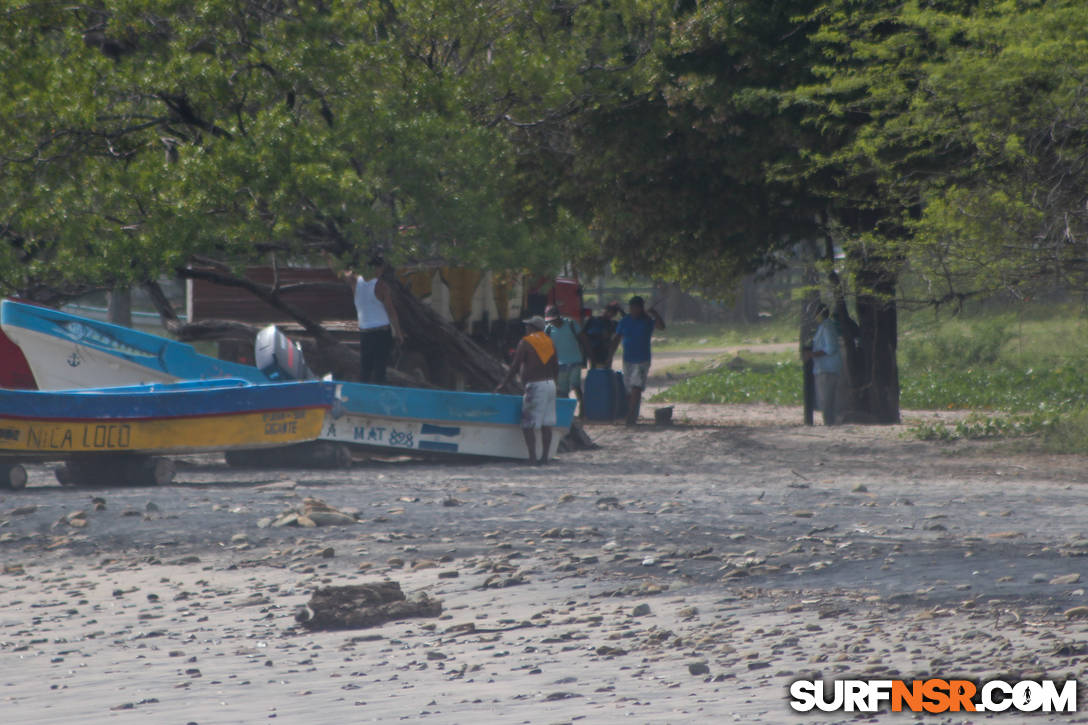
536,322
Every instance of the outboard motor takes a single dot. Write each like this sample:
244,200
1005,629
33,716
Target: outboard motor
279,358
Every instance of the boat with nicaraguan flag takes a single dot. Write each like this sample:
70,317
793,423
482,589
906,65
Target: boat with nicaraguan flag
111,433
65,350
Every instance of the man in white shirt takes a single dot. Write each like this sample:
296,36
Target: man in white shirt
377,317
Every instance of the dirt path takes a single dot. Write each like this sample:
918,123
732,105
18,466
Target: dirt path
742,548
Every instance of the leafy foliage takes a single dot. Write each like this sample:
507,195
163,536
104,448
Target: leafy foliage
137,136
964,121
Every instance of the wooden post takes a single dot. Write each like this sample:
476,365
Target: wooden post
809,383
119,307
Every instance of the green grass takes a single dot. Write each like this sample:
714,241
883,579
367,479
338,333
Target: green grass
1022,374
771,379
695,335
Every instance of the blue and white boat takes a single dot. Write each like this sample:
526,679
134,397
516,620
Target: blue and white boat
67,351
77,352
112,433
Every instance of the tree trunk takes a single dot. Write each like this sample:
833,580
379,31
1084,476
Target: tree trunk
119,306
876,384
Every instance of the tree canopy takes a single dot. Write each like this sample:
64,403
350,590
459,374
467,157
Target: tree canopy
691,140
137,136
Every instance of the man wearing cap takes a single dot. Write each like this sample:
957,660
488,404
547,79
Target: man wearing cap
570,347
377,317
599,330
635,330
536,361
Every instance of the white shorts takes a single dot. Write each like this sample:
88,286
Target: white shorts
538,404
635,374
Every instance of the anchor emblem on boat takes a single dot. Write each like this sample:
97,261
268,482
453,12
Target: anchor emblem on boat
74,359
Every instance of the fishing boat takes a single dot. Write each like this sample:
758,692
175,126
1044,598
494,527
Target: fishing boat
68,351
109,433
65,350
435,421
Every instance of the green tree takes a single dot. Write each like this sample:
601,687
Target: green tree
701,165
139,136
968,117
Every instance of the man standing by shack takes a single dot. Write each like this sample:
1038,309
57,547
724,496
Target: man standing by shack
570,348
635,330
537,363
377,317
826,359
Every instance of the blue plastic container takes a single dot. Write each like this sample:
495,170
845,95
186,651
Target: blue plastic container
599,395
603,395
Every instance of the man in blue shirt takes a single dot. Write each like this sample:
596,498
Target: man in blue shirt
635,331
570,346
826,359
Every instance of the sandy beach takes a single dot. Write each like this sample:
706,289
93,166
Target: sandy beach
680,574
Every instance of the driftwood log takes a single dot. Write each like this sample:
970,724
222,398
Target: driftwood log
359,606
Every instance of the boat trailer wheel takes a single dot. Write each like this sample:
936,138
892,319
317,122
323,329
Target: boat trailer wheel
131,470
13,476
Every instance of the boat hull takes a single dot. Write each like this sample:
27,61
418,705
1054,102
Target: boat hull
217,415
435,421
63,364
56,439
393,434
66,351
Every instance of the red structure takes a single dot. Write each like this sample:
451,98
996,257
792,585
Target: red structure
14,372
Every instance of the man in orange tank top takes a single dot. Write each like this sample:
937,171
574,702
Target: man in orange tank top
535,359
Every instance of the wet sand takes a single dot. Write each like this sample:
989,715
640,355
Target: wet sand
684,574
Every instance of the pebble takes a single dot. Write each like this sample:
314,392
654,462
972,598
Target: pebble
699,668
640,610
1065,579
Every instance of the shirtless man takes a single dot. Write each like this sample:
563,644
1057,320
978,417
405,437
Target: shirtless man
535,359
